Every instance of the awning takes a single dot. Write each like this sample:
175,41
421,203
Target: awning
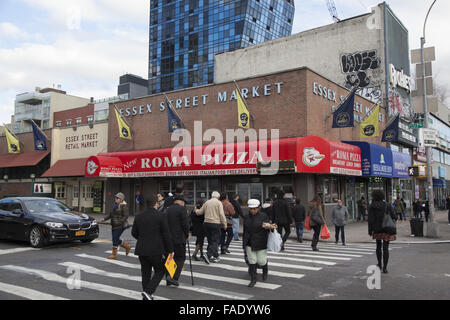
66,168
28,159
101,166
320,155
401,163
311,154
439,184
376,160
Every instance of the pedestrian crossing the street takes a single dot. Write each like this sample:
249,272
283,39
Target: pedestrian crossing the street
227,279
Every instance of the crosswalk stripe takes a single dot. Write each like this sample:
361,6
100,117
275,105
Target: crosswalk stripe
212,265
311,254
330,246
329,249
201,275
53,277
281,265
27,293
283,257
16,250
214,292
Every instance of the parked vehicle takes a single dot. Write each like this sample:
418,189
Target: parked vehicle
41,221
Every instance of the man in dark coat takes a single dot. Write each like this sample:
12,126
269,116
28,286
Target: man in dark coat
153,246
237,215
299,214
282,216
179,229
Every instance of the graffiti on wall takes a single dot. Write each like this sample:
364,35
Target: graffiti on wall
362,69
399,104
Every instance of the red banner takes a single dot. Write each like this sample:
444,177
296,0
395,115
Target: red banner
311,154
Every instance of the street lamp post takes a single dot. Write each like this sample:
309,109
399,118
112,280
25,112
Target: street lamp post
5,177
32,176
432,230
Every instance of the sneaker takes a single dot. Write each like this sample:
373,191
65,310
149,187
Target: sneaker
344,244
205,258
195,258
146,296
214,259
227,251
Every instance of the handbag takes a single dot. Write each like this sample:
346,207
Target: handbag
315,217
388,224
274,241
307,226
325,233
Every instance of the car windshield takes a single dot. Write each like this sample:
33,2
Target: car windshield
45,205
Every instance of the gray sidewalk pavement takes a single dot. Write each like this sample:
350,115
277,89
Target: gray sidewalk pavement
358,232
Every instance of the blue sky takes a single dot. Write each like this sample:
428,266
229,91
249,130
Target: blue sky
86,45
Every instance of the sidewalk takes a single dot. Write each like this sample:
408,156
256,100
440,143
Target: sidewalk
358,232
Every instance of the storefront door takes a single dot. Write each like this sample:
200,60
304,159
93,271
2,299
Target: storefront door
271,189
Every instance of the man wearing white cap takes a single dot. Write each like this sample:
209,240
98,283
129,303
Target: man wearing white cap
214,220
256,233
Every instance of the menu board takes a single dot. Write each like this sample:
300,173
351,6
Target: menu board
97,191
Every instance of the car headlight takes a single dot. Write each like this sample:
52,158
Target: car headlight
94,223
54,225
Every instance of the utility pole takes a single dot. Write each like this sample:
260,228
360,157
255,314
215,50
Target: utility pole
432,228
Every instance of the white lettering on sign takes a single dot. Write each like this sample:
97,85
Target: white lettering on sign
399,78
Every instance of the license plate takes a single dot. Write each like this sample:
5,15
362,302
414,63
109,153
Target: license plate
80,233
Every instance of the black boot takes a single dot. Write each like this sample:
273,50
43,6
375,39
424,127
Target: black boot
314,245
265,272
252,271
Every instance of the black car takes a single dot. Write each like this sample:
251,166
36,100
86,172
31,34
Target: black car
44,220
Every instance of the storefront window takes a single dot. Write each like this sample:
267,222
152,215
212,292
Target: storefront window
328,190
242,191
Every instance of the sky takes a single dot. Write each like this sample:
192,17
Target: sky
86,45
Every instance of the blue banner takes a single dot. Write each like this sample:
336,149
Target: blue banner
402,162
376,160
344,116
174,120
391,133
40,141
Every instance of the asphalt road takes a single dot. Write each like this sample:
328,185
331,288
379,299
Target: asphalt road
416,271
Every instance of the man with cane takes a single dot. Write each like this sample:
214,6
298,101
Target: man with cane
179,229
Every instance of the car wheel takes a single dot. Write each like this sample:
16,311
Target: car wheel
36,237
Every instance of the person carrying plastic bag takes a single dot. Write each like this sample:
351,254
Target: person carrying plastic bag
256,234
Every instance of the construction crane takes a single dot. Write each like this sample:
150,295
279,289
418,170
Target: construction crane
332,10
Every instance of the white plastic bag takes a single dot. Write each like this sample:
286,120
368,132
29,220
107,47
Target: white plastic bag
274,241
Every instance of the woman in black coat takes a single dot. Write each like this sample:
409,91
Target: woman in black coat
198,231
377,210
256,233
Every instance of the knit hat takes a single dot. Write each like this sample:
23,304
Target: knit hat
120,195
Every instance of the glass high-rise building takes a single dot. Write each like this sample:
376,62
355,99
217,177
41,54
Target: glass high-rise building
186,34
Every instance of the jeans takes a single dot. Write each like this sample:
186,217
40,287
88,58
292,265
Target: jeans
299,226
116,233
361,213
212,233
316,235
340,230
236,228
287,231
228,234
149,283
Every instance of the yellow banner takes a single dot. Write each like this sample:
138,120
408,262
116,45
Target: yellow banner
243,113
370,127
124,129
13,143
171,266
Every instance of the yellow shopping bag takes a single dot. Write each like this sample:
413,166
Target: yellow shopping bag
171,266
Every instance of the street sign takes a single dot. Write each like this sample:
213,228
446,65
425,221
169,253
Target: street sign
415,126
427,138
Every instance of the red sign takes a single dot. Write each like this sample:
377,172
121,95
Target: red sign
320,155
99,166
312,154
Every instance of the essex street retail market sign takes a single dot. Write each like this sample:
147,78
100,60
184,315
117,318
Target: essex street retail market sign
202,100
